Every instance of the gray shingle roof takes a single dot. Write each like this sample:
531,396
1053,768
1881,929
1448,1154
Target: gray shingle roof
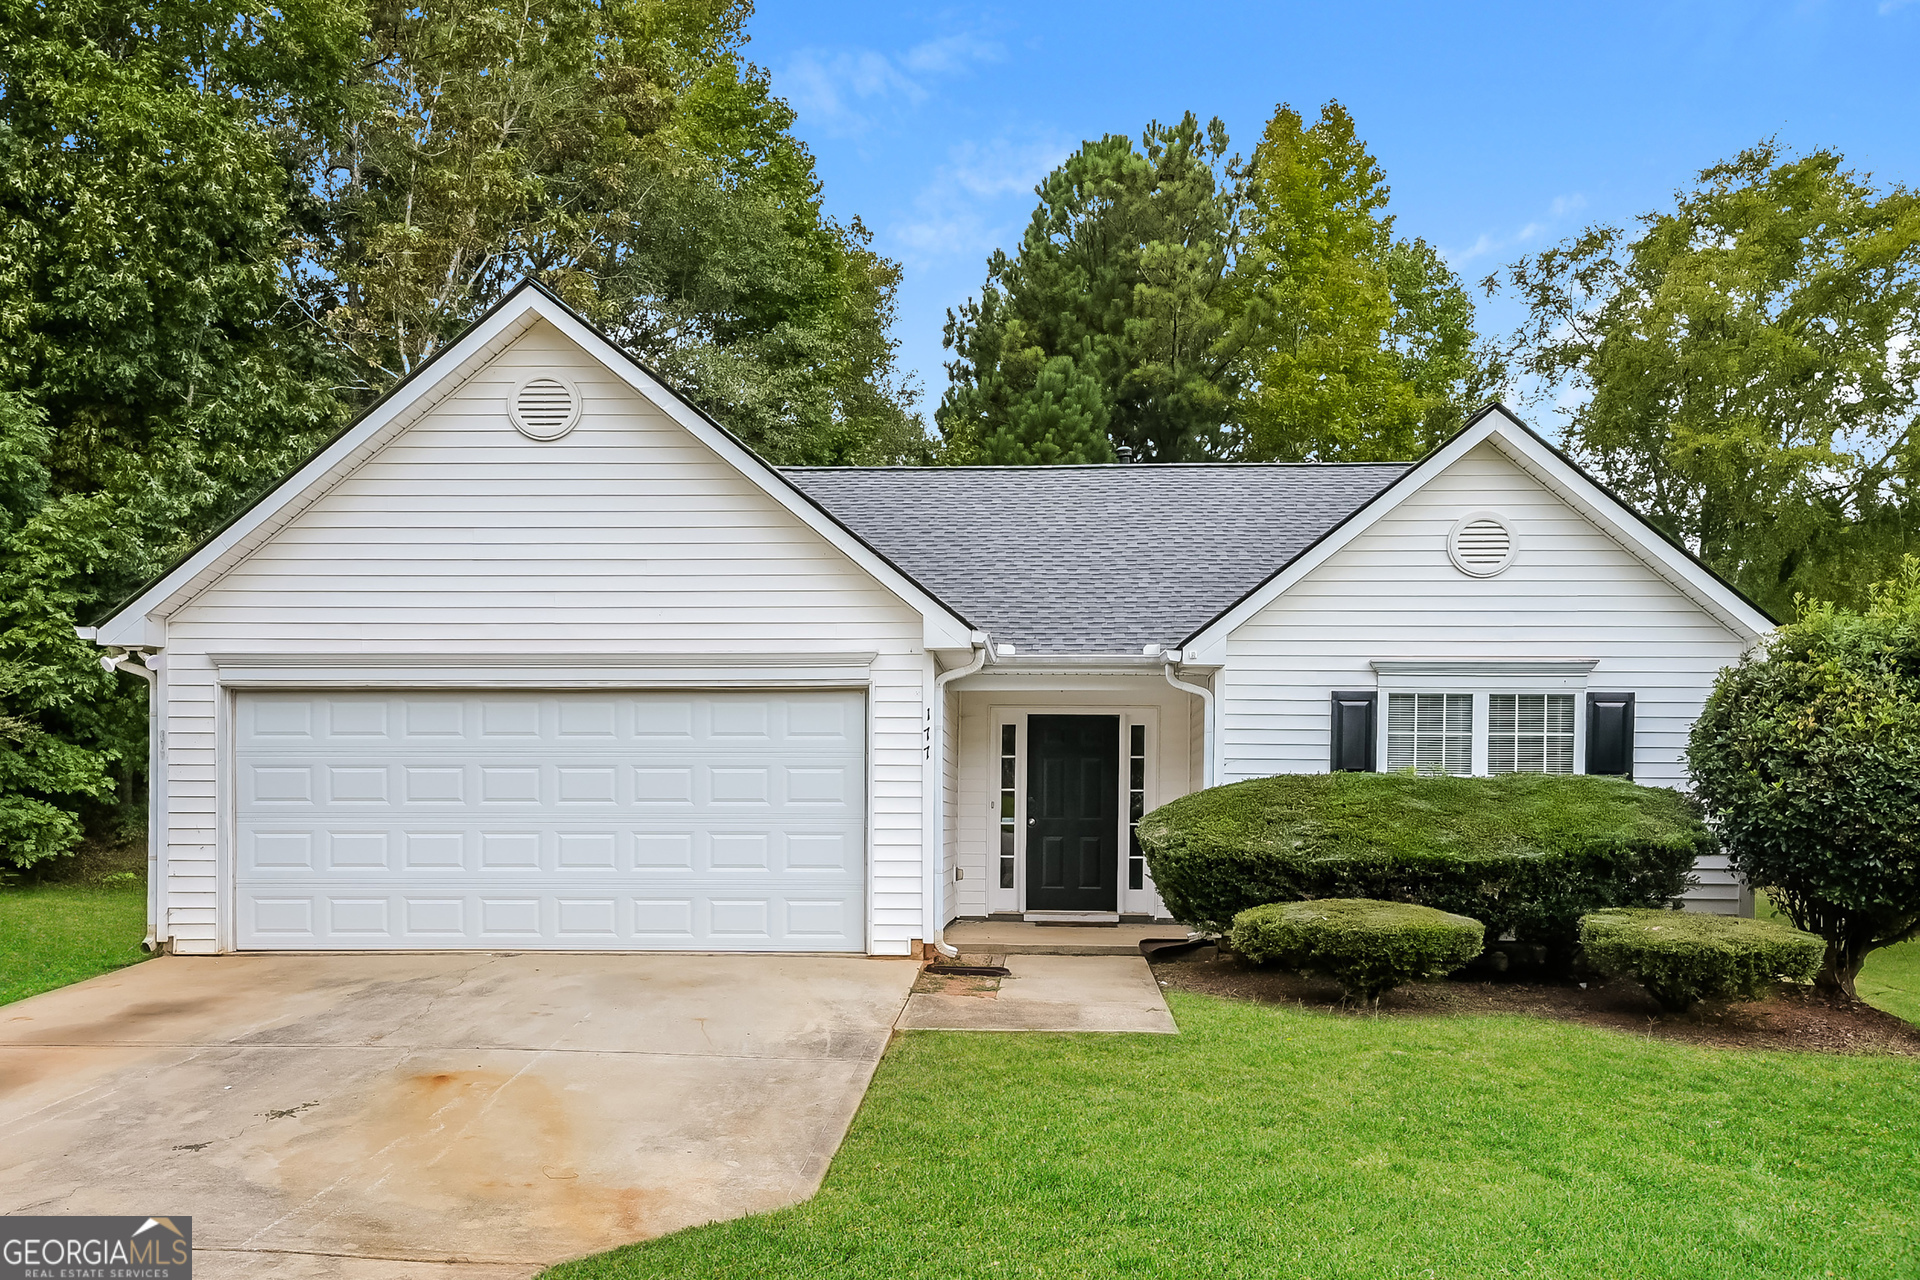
1092,559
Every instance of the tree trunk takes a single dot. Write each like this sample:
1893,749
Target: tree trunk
1841,968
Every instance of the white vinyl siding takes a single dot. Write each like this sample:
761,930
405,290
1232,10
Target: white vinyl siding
1571,592
462,535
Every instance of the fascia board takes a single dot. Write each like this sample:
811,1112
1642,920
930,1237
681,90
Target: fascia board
144,615
942,628
1208,646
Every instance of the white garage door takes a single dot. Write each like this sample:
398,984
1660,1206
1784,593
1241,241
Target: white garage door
571,821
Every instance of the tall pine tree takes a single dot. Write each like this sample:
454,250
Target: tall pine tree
1122,274
1260,310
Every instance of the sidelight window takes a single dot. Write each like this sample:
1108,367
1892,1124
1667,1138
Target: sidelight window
1009,804
1136,804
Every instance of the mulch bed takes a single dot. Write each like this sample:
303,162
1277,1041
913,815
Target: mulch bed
1796,1018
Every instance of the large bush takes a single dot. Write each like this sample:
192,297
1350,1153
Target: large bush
1529,853
1808,757
1682,957
1367,946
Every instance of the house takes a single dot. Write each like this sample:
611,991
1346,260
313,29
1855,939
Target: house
535,655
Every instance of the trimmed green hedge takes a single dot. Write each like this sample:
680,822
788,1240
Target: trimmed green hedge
1525,852
1682,957
1366,946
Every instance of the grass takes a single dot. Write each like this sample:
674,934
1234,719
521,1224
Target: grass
1890,980
1273,1142
54,934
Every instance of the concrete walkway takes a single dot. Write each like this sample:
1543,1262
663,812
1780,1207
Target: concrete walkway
400,1117
1051,993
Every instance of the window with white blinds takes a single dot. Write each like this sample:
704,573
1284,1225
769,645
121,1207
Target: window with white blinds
1530,733
1430,732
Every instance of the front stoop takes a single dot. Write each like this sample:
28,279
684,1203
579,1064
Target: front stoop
1025,938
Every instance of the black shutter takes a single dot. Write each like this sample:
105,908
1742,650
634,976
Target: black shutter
1353,736
1610,733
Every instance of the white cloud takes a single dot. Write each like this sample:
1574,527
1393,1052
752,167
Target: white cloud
1492,243
843,90
1888,6
951,55
834,88
978,199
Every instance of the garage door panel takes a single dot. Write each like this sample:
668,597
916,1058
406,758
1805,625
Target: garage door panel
637,821
804,853
363,781
705,919
722,721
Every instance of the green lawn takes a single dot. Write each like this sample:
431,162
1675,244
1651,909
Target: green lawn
1890,980
1268,1142
53,934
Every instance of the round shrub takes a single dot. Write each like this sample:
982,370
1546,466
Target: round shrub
1682,957
1366,945
1807,756
1526,853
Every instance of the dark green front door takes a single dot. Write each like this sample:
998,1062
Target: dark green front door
1073,813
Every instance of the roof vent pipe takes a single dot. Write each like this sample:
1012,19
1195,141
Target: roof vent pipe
1124,452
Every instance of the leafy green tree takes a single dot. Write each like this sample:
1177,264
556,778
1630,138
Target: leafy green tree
1807,756
624,153
1123,270
1746,362
151,163
1252,310
1362,346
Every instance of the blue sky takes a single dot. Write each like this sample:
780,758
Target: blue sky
1502,127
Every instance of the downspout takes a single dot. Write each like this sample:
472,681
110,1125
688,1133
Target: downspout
936,786
149,670
1209,770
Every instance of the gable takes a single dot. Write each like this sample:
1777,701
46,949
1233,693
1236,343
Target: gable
1496,434
471,461
1570,589
627,530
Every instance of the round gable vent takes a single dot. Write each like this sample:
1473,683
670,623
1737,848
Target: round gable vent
1480,544
545,407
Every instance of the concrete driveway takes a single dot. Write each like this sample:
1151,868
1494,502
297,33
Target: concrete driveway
460,1116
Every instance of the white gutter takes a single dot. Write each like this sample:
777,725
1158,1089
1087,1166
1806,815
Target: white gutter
1210,770
935,786
147,669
